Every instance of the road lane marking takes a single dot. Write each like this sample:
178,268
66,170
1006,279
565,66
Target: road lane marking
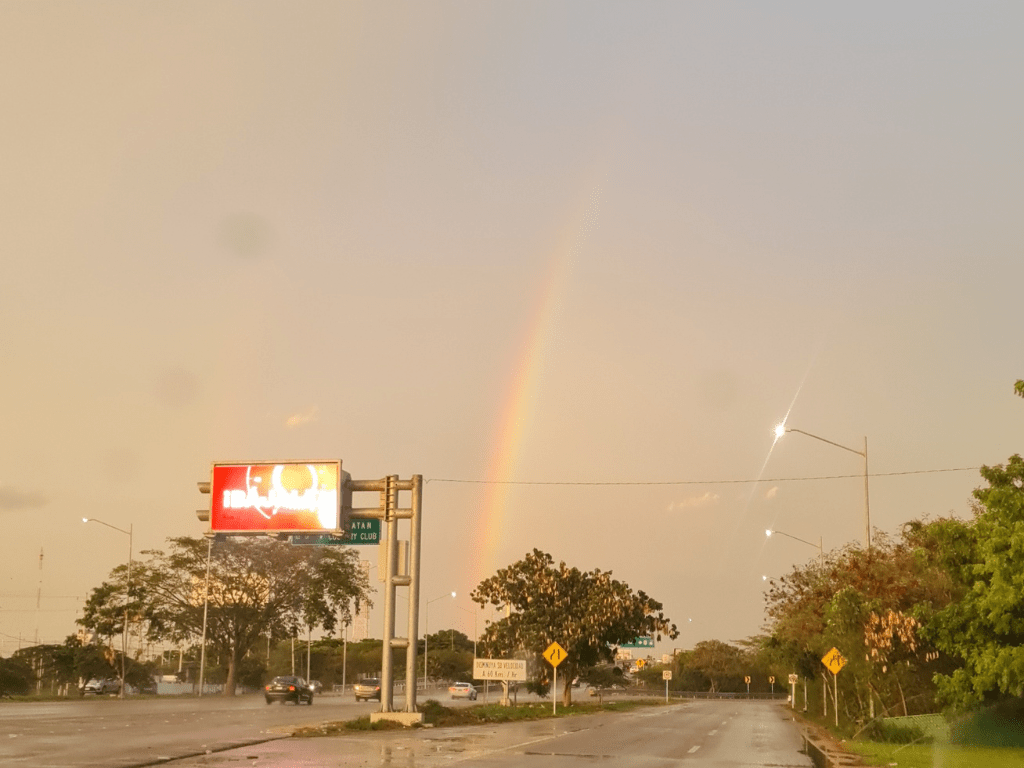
712,733
694,749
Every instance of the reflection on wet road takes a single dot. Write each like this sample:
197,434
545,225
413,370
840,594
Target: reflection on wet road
723,734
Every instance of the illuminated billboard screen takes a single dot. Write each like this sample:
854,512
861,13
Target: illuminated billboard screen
287,496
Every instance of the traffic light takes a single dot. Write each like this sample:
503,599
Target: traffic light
203,514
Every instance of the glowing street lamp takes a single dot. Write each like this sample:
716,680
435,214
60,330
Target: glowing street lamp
821,552
426,633
127,595
782,429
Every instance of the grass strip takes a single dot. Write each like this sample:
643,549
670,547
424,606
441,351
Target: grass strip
933,755
437,715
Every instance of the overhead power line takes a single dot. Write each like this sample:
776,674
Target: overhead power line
700,482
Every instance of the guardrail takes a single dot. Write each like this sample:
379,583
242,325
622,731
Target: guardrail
724,695
178,689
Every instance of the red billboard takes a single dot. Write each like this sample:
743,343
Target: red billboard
286,496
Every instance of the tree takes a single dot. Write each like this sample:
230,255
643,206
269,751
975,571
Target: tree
258,588
587,613
716,662
16,677
868,605
985,628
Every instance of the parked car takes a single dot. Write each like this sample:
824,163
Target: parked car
367,689
147,686
288,688
102,686
462,691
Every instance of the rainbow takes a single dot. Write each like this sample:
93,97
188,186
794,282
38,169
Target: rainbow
523,389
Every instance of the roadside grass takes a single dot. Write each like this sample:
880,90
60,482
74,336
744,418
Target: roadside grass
437,715
992,738
936,755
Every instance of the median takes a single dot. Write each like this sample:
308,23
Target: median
436,715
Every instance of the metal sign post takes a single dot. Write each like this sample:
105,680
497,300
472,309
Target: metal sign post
555,655
835,661
666,675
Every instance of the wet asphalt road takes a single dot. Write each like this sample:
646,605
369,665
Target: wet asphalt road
111,733
696,734
219,733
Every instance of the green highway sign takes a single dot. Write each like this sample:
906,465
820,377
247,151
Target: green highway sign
363,531
357,532
640,642
317,539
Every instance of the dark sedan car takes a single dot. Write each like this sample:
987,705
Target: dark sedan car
288,688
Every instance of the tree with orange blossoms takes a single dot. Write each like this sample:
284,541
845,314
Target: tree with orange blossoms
588,613
864,603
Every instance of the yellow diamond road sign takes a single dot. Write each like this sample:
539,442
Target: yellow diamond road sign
834,661
555,654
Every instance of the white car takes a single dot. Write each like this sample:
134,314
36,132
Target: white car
102,686
462,691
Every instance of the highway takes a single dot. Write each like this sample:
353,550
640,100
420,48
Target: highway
189,733
115,733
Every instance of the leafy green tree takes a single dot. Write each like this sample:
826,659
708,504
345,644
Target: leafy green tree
866,604
106,606
362,659
452,639
602,677
685,677
588,613
257,586
985,628
718,663
16,677
446,664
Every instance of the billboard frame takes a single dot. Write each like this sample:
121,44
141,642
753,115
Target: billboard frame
344,496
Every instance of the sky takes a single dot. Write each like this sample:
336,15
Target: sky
571,262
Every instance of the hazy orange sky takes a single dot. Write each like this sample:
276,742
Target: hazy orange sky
532,241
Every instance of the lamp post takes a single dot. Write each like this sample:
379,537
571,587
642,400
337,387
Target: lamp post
821,552
127,592
467,610
782,429
426,634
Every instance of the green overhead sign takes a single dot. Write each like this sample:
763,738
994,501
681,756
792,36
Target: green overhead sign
640,642
356,532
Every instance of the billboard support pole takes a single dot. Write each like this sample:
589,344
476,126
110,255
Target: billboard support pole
388,510
206,605
389,496
414,594
240,504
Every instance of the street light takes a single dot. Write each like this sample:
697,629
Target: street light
426,634
821,552
127,592
467,610
782,429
